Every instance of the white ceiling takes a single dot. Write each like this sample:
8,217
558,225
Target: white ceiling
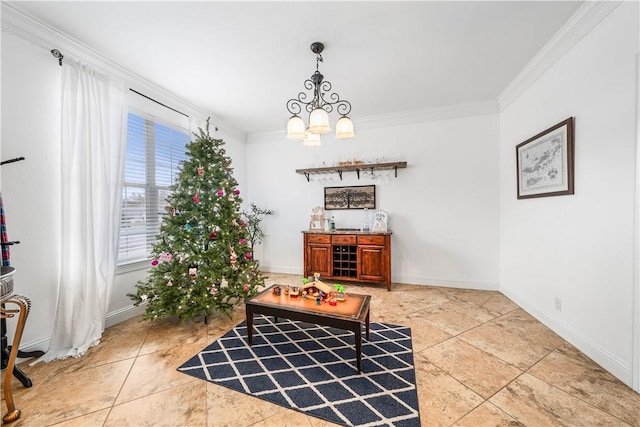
241,61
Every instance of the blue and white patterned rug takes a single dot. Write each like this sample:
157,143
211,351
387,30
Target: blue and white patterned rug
312,369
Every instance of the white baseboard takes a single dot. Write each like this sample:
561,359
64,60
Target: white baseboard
602,357
281,269
123,314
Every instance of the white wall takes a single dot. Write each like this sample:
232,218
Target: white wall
579,248
444,207
31,80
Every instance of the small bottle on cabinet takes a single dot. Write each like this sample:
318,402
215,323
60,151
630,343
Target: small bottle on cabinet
367,220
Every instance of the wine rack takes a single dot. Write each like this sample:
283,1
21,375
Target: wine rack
345,260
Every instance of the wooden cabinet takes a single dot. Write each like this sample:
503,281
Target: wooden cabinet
352,256
317,254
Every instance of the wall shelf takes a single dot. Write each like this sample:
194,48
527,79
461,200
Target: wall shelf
353,168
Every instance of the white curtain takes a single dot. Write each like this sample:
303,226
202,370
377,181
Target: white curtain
93,142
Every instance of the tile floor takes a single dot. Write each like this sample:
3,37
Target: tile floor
480,361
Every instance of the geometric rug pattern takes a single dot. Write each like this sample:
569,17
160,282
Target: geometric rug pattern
312,369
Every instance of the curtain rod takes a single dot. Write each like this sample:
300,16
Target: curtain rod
158,102
56,54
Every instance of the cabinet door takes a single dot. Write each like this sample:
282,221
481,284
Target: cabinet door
318,260
373,263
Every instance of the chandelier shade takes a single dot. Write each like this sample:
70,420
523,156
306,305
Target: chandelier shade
295,128
344,128
319,122
319,106
311,140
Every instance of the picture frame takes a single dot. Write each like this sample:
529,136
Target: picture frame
380,221
545,162
350,197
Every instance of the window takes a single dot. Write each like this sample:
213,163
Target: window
154,152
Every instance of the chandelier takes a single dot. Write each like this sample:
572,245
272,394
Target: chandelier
319,106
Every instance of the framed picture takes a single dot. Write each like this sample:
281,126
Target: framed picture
545,162
380,221
355,197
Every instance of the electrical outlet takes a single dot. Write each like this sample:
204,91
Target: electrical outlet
558,304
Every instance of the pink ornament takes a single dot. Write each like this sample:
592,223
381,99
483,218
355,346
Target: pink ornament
248,255
165,257
220,193
154,262
236,192
196,198
246,287
243,241
170,283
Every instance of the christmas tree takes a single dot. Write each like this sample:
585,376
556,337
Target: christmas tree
202,262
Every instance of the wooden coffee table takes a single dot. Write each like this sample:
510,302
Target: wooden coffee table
350,314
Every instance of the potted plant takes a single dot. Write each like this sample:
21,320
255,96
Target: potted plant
253,217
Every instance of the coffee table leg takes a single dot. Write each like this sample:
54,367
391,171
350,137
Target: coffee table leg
358,332
367,323
250,326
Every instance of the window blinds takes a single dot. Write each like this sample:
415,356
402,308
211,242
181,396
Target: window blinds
154,152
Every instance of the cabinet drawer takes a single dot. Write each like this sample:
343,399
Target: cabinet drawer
371,240
318,238
343,239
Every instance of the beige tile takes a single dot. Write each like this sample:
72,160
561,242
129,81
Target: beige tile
481,372
120,342
488,415
478,312
500,303
533,402
184,405
93,419
168,333
441,398
423,335
481,305
64,397
449,321
573,372
144,379
478,297
515,337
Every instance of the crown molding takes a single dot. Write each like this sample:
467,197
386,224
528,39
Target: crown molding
586,18
24,26
428,115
